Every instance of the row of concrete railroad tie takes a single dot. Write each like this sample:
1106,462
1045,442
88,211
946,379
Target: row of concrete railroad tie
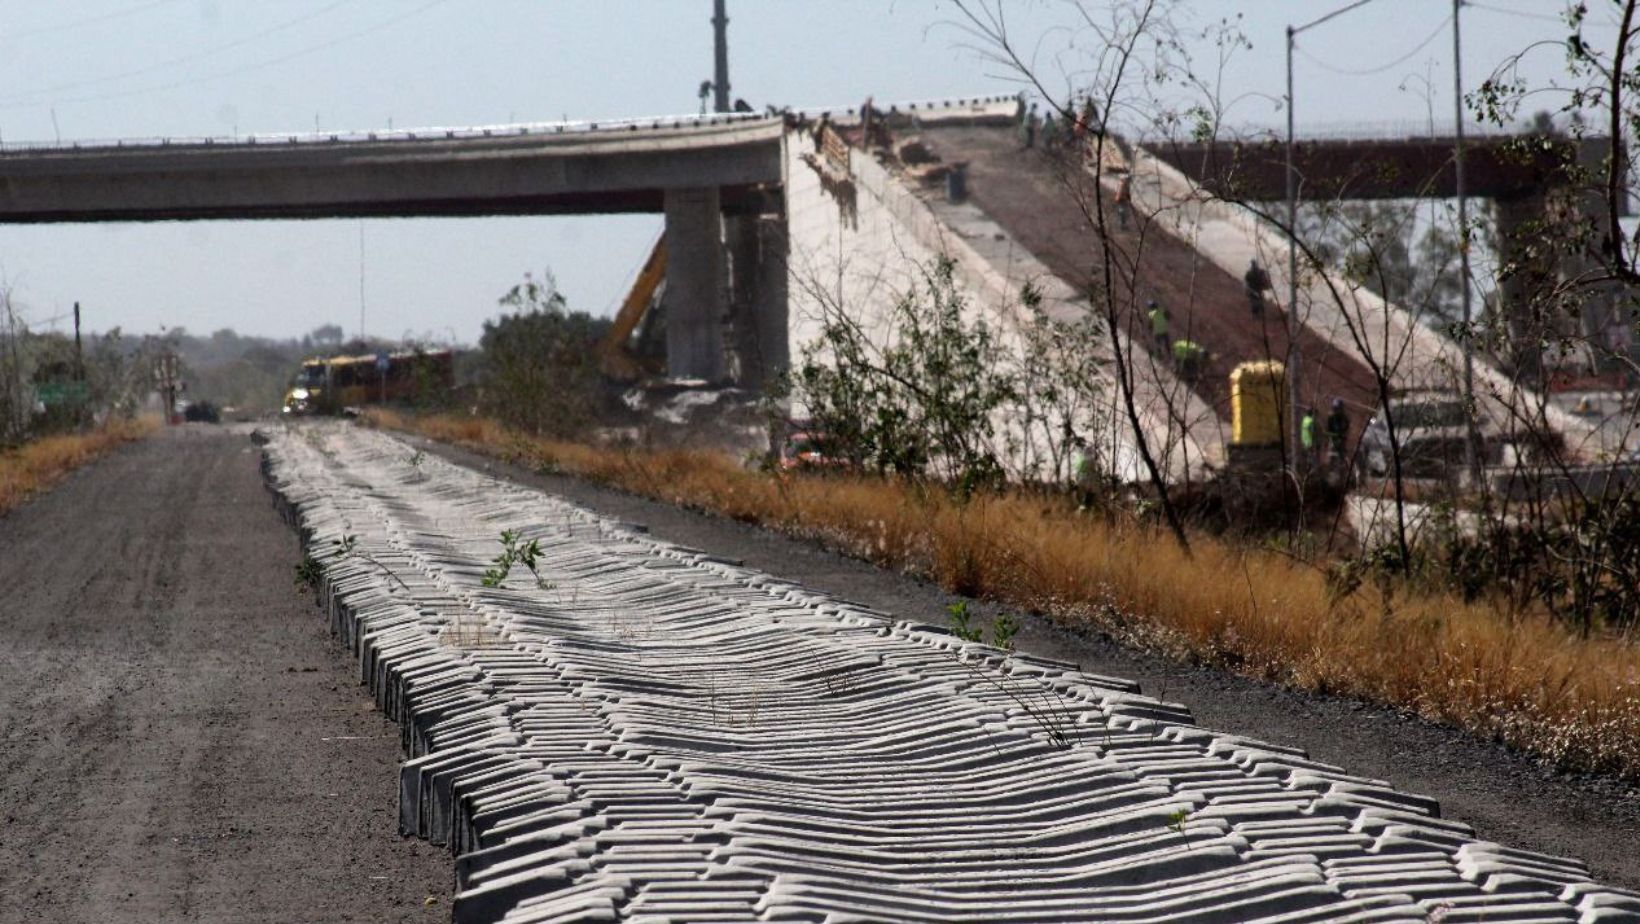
636,731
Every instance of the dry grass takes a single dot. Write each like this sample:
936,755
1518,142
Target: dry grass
36,466
1524,681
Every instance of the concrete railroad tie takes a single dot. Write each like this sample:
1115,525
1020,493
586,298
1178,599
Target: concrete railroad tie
654,735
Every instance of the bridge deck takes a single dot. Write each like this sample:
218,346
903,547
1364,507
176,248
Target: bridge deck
485,172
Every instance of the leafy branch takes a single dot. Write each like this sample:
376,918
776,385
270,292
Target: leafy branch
514,551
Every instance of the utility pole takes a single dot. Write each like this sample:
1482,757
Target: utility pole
720,57
167,378
79,352
1294,407
361,280
1471,455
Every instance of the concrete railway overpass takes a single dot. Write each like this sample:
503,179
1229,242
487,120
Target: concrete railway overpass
747,204
1523,174
1502,167
702,173
503,170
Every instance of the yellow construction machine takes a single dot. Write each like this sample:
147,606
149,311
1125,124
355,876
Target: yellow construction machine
615,359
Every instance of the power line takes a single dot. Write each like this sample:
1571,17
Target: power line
1333,15
233,72
1541,17
88,21
1381,68
184,59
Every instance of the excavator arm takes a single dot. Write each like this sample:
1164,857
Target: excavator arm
614,359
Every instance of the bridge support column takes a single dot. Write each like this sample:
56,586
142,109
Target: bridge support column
773,297
757,259
695,284
1519,294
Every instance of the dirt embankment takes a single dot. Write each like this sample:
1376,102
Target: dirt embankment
180,739
1037,198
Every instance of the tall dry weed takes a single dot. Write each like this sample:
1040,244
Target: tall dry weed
37,465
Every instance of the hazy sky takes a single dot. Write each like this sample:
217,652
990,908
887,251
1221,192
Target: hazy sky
80,69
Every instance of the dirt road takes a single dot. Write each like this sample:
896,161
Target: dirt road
180,739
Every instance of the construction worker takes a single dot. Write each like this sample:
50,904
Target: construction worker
1306,433
1124,201
1088,121
1084,474
1188,358
1338,431
1159,322
1258,283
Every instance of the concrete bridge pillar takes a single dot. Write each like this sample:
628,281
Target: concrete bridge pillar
1520,235
757,259
695,284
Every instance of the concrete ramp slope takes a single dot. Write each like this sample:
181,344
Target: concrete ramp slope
642,732
1039,197
1228,236
862,230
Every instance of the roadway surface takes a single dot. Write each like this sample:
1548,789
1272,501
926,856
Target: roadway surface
180,739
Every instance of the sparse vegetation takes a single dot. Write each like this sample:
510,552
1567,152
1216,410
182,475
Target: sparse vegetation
514,551
309,572
1177,821
414,460
539,371
35,466
1003,626
924,403
1526,679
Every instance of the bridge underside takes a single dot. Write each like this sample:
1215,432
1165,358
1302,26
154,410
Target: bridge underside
736,200
712,179
1526,176
1513,167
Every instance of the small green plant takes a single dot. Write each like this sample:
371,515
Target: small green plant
1041,703
962,622
515,552
309,572
414,460
1004,626
348,547
1003,629
1177,820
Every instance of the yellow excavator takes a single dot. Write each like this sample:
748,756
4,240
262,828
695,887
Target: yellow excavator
615,360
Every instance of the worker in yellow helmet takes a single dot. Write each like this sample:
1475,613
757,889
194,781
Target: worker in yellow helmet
1306,433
